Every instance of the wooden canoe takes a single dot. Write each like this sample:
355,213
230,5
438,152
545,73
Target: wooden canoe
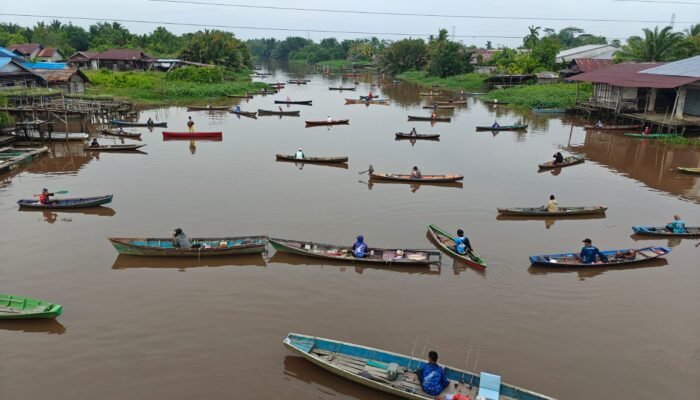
446,242
17,307
344,253
249,114
334,122
192,135
407,178
298,82
54,136
424,136
562,212
613,127
440,107
501,128
687,170
315,160
65,203
265,93
548,110
163,247
299,102
367,98
368,366
128,135
342,88
615,257
240,96
130,123
496,102
379,102
436,119
570,160
114,147
272,112
454,102
690,231
208,108
651,135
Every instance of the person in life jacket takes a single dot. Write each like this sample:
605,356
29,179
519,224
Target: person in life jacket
44,197
462,244
359,249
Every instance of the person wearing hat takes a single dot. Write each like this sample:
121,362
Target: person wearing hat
180,240
359,249
45,196
299,154
589,253
462,244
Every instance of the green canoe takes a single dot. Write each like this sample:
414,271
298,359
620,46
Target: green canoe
16,307
651,135
445,242
687,170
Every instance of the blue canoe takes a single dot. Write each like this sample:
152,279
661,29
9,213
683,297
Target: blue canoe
390,372
120,122
76,202
690,231
615,257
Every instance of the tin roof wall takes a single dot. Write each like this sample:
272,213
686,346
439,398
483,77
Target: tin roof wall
602,51
627,75
7,53
64,75
689,67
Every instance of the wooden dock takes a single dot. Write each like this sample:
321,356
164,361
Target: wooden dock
13,157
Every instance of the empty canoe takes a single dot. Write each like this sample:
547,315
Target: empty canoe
333,122
300,102
561,212
17,307
130,123
440,107
249,114
501,128
77,202
446,242
344,253
208,108
114,147
354,101
316,160
409,179
342,88
192,135
436,119
163,247
272,112
615,257
651,135
690,231
548,110
570,160
424,136
371,367
128,135
613,127
694,171
58,136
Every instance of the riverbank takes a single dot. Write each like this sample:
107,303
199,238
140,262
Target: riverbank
555,95
466,82
179,86
681,141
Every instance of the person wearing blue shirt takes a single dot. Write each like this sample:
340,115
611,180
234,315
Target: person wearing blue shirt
677,226
589,253
359,249
462,244
432,377
237,109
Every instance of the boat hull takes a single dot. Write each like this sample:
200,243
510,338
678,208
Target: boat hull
287,113
127,135
67,203
661,231
17,307
613,128
322,123
115,148
651,135
129,123
314,160
568,161
502,128
436,119
686,170
445,242
562,212
192,135
408,179
571,259
425,136
302,103
162,247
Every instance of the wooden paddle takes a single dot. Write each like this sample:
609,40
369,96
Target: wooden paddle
370,170
59,192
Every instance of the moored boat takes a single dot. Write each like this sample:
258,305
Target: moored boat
53,136
127,135
299,81
333,122
548,110
516,127
299,102
315,160
424,136
651,135
65,203
130,123
240,96
342,88
192,135
690,231
205,247
273,112
114,147
570,160
17,307
453,102
446,242
344,253
395,374
615,257
436,119
208,108
613,127
688,170
561,212
13,157
249,114
440,107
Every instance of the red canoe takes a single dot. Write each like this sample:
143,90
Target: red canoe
192,135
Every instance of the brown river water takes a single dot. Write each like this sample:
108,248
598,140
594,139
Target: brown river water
138,328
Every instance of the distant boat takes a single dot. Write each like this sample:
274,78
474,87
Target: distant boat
568,161
342,88
613,127
274,112
561,211
436,119
424,136
208,108
123,134
249,114
502,128
192,135
55,136
651,135
548,110
66,203
299,102
312,160
324,122
131,123
114,147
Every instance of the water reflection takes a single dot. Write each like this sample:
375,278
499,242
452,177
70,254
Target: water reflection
49,326
596,270
182,263
413,186
291,259
51,216
329,384
672,241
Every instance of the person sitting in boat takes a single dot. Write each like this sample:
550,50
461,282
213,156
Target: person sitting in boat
370,96
359,249
94,143
599,124
208,105
432,377
288,99
413,132
552,205
180,240
495,125
462,244
190,124
647,130
558,158
415,173
677,226
149,122
121,130
45,196
329,119
299,154
237,109
589,253
433,115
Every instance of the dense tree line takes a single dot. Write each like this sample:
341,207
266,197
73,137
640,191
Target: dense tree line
296,48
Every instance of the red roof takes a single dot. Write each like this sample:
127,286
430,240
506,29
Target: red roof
84,55
123,54
627,75
590,64
26,49
47,52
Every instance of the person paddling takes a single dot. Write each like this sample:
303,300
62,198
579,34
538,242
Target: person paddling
45,196
462,244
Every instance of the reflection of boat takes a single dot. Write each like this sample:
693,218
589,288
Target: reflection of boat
690,231
615,257
291,259
316,160
446,242
440,107
600,269
342,88
58,204
568,161
391,372
126,261
694,171
11,157
17,307
99,210
561,212
206,247
49,326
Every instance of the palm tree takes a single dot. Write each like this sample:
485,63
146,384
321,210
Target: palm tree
663,45
694,30
531,38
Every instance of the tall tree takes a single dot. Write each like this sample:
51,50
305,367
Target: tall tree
447,57
404,55
217,47
657,45
530,40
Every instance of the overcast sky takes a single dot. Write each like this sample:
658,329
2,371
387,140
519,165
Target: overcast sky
301,23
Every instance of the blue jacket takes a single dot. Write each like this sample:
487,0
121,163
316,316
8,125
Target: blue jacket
359,249
676,226
433,379
588,255
462,244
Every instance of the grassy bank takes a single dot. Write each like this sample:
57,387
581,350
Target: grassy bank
173,87
558,95
466,82
682,141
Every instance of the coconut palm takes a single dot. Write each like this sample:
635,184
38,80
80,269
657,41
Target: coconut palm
694,30
657,45
531,39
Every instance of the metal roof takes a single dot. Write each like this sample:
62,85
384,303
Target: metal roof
591,64
7,53
627,75
4,61
689,67
48,52
51,75
603,51
25,48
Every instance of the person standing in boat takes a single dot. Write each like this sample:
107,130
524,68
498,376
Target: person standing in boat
45,196
558,158
415,173
589,253
359,249
413,132
552,205
299,154
180,240
190,124
431,376
462,244
677,226
120,130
